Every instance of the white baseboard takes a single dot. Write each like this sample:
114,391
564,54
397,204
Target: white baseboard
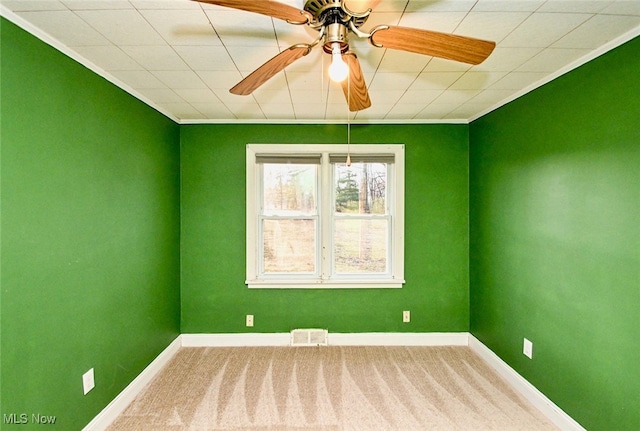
554,413
399,339
128,394
236,340
335,339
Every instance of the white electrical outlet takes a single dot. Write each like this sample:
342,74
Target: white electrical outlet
406,316
249,319
88,381
527,348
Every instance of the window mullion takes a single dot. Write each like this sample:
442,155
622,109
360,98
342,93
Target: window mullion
326,211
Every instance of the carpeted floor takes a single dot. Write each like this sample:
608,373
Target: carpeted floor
329,389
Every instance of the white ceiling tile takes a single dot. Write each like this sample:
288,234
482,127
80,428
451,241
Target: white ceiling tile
437,110
33,5
404,111
287,34
66,27
391,6
402,61
109,57
381,18
165,4
597,31
313,96
226,97
197,95
220,79
490,97
249,58
138,78
97,4
183,111
464,111
272,97
337,111
392,81
552,59
386,96
376,111
623,7
180,79
182,27
422,97
507,5
434,80
456,96
434,21
507,59
278,111
305,80
336,95
543,29
435,5
122,27
156,57
246,110
493,26
442,65
473,80
206,57
518,80
243,28
214,110
161,95
309,111
580,6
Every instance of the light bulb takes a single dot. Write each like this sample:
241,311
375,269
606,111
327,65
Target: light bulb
338,70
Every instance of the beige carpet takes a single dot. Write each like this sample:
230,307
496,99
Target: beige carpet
329,389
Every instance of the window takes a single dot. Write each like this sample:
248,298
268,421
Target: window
313,221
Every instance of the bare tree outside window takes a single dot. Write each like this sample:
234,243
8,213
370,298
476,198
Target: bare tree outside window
289,221
361,222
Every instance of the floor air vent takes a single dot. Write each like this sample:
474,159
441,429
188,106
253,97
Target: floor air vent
309,337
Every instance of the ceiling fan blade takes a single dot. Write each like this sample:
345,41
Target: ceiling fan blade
266,7
361,5
270,68
354,87
443,45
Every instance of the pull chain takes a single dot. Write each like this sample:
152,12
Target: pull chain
348,119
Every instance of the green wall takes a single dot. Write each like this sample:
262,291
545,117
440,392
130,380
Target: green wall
214,296
90,234
555,238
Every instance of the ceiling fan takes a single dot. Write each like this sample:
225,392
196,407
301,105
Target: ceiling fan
336,20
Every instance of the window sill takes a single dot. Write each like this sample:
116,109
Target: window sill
324,284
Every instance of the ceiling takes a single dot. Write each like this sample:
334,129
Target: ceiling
181,57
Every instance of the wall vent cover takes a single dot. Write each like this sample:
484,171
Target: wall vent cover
309,337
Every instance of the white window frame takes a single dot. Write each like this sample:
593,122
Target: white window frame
395,276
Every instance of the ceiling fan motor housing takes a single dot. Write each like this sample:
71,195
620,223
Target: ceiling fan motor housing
335,19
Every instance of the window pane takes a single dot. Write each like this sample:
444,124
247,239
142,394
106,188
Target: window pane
361,188
360,245
289,246
289,189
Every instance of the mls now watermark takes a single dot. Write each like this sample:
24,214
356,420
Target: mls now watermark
25,418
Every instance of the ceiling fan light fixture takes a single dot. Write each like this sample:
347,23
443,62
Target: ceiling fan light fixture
338,70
